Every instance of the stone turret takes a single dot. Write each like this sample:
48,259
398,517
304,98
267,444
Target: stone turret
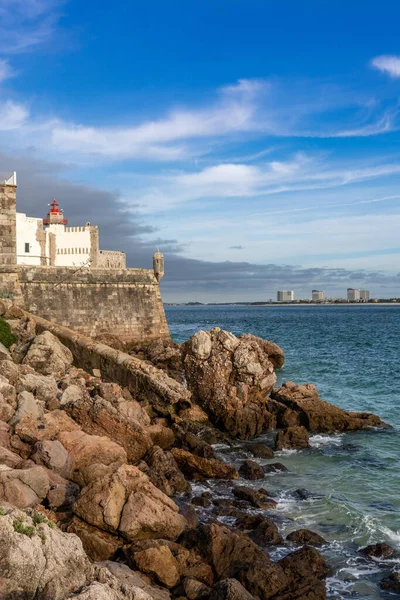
8,211
158,265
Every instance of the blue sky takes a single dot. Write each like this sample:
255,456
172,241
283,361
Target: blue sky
256,142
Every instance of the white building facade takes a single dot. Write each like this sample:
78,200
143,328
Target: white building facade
353,295
317,296
285,296
364,295
50,242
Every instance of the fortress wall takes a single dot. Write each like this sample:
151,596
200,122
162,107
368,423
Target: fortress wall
126,303
8,234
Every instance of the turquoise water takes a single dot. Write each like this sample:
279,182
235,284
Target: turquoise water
352,355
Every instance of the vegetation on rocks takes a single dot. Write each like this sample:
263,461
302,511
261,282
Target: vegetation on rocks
7,338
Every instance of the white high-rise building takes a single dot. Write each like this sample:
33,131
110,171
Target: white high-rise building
364,295
285,296
317,296
353,295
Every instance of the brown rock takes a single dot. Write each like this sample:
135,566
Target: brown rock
249,469
5,437
230,589
260,529
10,459
260,451
164,472
98,544
202,467
305,537
195,589
305,570
392,583
8,392
99,417
292,438
23,488
43,387
127,502
257,498
381,550
128,578
159,563
317,415
235,555
87,450
161,436
62,495
48,356
47,428
272,350
53,455
231,379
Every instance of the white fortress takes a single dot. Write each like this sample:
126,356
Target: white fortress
50,242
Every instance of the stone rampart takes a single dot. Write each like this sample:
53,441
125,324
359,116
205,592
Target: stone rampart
126,303
145,382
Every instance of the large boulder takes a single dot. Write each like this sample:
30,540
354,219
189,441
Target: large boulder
27,406
231,378
97,543
48,356
133,579
306,408
204,468
49,427
88,450
99,417
39,562
292,438
163,472
230,589
23,488
43,387
126,502
52,455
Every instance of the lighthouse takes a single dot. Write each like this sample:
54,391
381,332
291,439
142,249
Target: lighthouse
55,216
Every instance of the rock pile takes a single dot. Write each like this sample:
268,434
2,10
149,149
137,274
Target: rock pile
89,476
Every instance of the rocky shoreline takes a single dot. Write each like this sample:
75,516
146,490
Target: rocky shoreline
98,493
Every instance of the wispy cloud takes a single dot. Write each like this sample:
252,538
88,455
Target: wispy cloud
26,23
12,116
388,64
5,70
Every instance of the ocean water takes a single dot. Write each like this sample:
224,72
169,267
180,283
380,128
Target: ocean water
352,481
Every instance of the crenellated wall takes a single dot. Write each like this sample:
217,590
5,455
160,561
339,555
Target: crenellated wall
126,303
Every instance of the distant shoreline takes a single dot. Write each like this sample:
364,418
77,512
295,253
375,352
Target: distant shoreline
275,304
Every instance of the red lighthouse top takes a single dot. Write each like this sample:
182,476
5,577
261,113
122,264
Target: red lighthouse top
55,215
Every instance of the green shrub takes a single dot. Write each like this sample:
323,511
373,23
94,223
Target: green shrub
19,527
6,337
2,511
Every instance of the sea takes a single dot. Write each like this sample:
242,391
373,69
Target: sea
349,483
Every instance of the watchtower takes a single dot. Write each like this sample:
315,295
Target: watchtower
8,211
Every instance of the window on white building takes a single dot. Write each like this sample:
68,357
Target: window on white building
27,247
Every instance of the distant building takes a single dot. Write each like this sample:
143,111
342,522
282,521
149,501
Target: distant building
364,295
317,296
353,295
285,296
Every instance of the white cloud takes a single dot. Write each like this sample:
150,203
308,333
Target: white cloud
12,116
5,70
388,64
